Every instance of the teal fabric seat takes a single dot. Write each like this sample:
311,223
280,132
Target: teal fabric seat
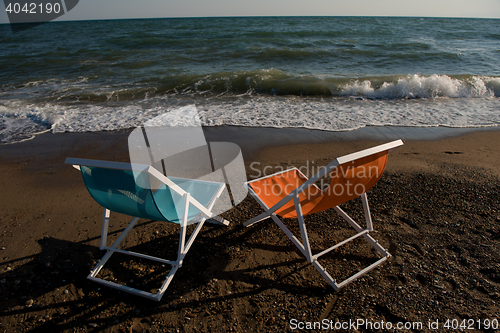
129,192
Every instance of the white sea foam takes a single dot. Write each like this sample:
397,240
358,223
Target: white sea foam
339,114
416,86
19,121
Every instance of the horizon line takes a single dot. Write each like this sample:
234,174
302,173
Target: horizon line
263,16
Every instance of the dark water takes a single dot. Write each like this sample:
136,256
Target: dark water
331,73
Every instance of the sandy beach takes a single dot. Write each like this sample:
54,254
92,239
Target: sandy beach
436,209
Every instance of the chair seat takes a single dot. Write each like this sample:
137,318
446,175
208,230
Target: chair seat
274,188
167,200
128,192
348,181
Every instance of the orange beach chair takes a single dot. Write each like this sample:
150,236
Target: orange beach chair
289,194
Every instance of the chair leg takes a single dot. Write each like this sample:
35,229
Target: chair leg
360,232
256,219
366,208
305,248
336,286
105,225
290,235
333,282
184,246
303,230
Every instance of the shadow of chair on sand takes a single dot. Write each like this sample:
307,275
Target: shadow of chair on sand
50,292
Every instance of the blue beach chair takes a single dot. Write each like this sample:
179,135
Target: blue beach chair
143,192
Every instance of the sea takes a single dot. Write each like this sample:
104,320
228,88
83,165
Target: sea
323,73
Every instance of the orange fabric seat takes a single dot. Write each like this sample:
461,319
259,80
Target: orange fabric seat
348,181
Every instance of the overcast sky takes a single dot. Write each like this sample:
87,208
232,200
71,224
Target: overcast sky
113,9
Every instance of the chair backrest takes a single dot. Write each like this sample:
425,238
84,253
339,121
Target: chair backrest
122,191
136,191
351,179
351,176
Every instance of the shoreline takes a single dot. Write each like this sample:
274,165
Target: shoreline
436,209
255,139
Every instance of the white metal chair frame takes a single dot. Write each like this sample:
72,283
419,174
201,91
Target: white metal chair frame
304,246
184,245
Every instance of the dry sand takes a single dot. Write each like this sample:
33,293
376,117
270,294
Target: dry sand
437,210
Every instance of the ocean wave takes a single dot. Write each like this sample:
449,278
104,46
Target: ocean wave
416,86
271,82
277,82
